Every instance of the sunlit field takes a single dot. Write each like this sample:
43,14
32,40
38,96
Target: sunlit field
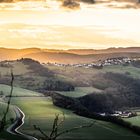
41,111
18,91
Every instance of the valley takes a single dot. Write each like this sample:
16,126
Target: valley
41,106
69,70
42,109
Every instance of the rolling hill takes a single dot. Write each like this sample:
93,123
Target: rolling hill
68,56
41,111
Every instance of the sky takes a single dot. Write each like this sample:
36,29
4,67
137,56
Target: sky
47,25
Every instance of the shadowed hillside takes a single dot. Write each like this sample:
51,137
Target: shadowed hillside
119,92
30,74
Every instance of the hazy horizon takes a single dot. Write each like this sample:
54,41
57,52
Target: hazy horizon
58,49
48,25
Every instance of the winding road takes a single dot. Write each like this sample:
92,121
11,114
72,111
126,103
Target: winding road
13,129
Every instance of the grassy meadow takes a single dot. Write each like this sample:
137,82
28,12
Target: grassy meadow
135,120
17,91
41,111
80,91
18,69
11,113
133,71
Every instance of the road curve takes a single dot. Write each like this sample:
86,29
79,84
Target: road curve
13,129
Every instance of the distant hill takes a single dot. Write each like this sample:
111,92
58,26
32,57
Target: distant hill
60,57
68,56
12,54
102,51
75,58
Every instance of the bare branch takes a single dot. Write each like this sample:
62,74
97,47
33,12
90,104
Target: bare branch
42,132
63,119
58,124
75,128
54,129
54,133
3,121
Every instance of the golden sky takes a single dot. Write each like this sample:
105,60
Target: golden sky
31,24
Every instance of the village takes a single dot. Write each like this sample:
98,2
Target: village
122,114
100,64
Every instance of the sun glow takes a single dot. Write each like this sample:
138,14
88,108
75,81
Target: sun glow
42,24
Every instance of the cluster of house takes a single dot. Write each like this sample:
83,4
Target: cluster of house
85,65
122,114
99,64
117,61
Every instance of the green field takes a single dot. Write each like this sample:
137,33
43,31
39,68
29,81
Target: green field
5,90
18,91
80,91
134,72
18,69
41,111
11,113
135,120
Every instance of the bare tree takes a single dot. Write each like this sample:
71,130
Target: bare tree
56,124
3,121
